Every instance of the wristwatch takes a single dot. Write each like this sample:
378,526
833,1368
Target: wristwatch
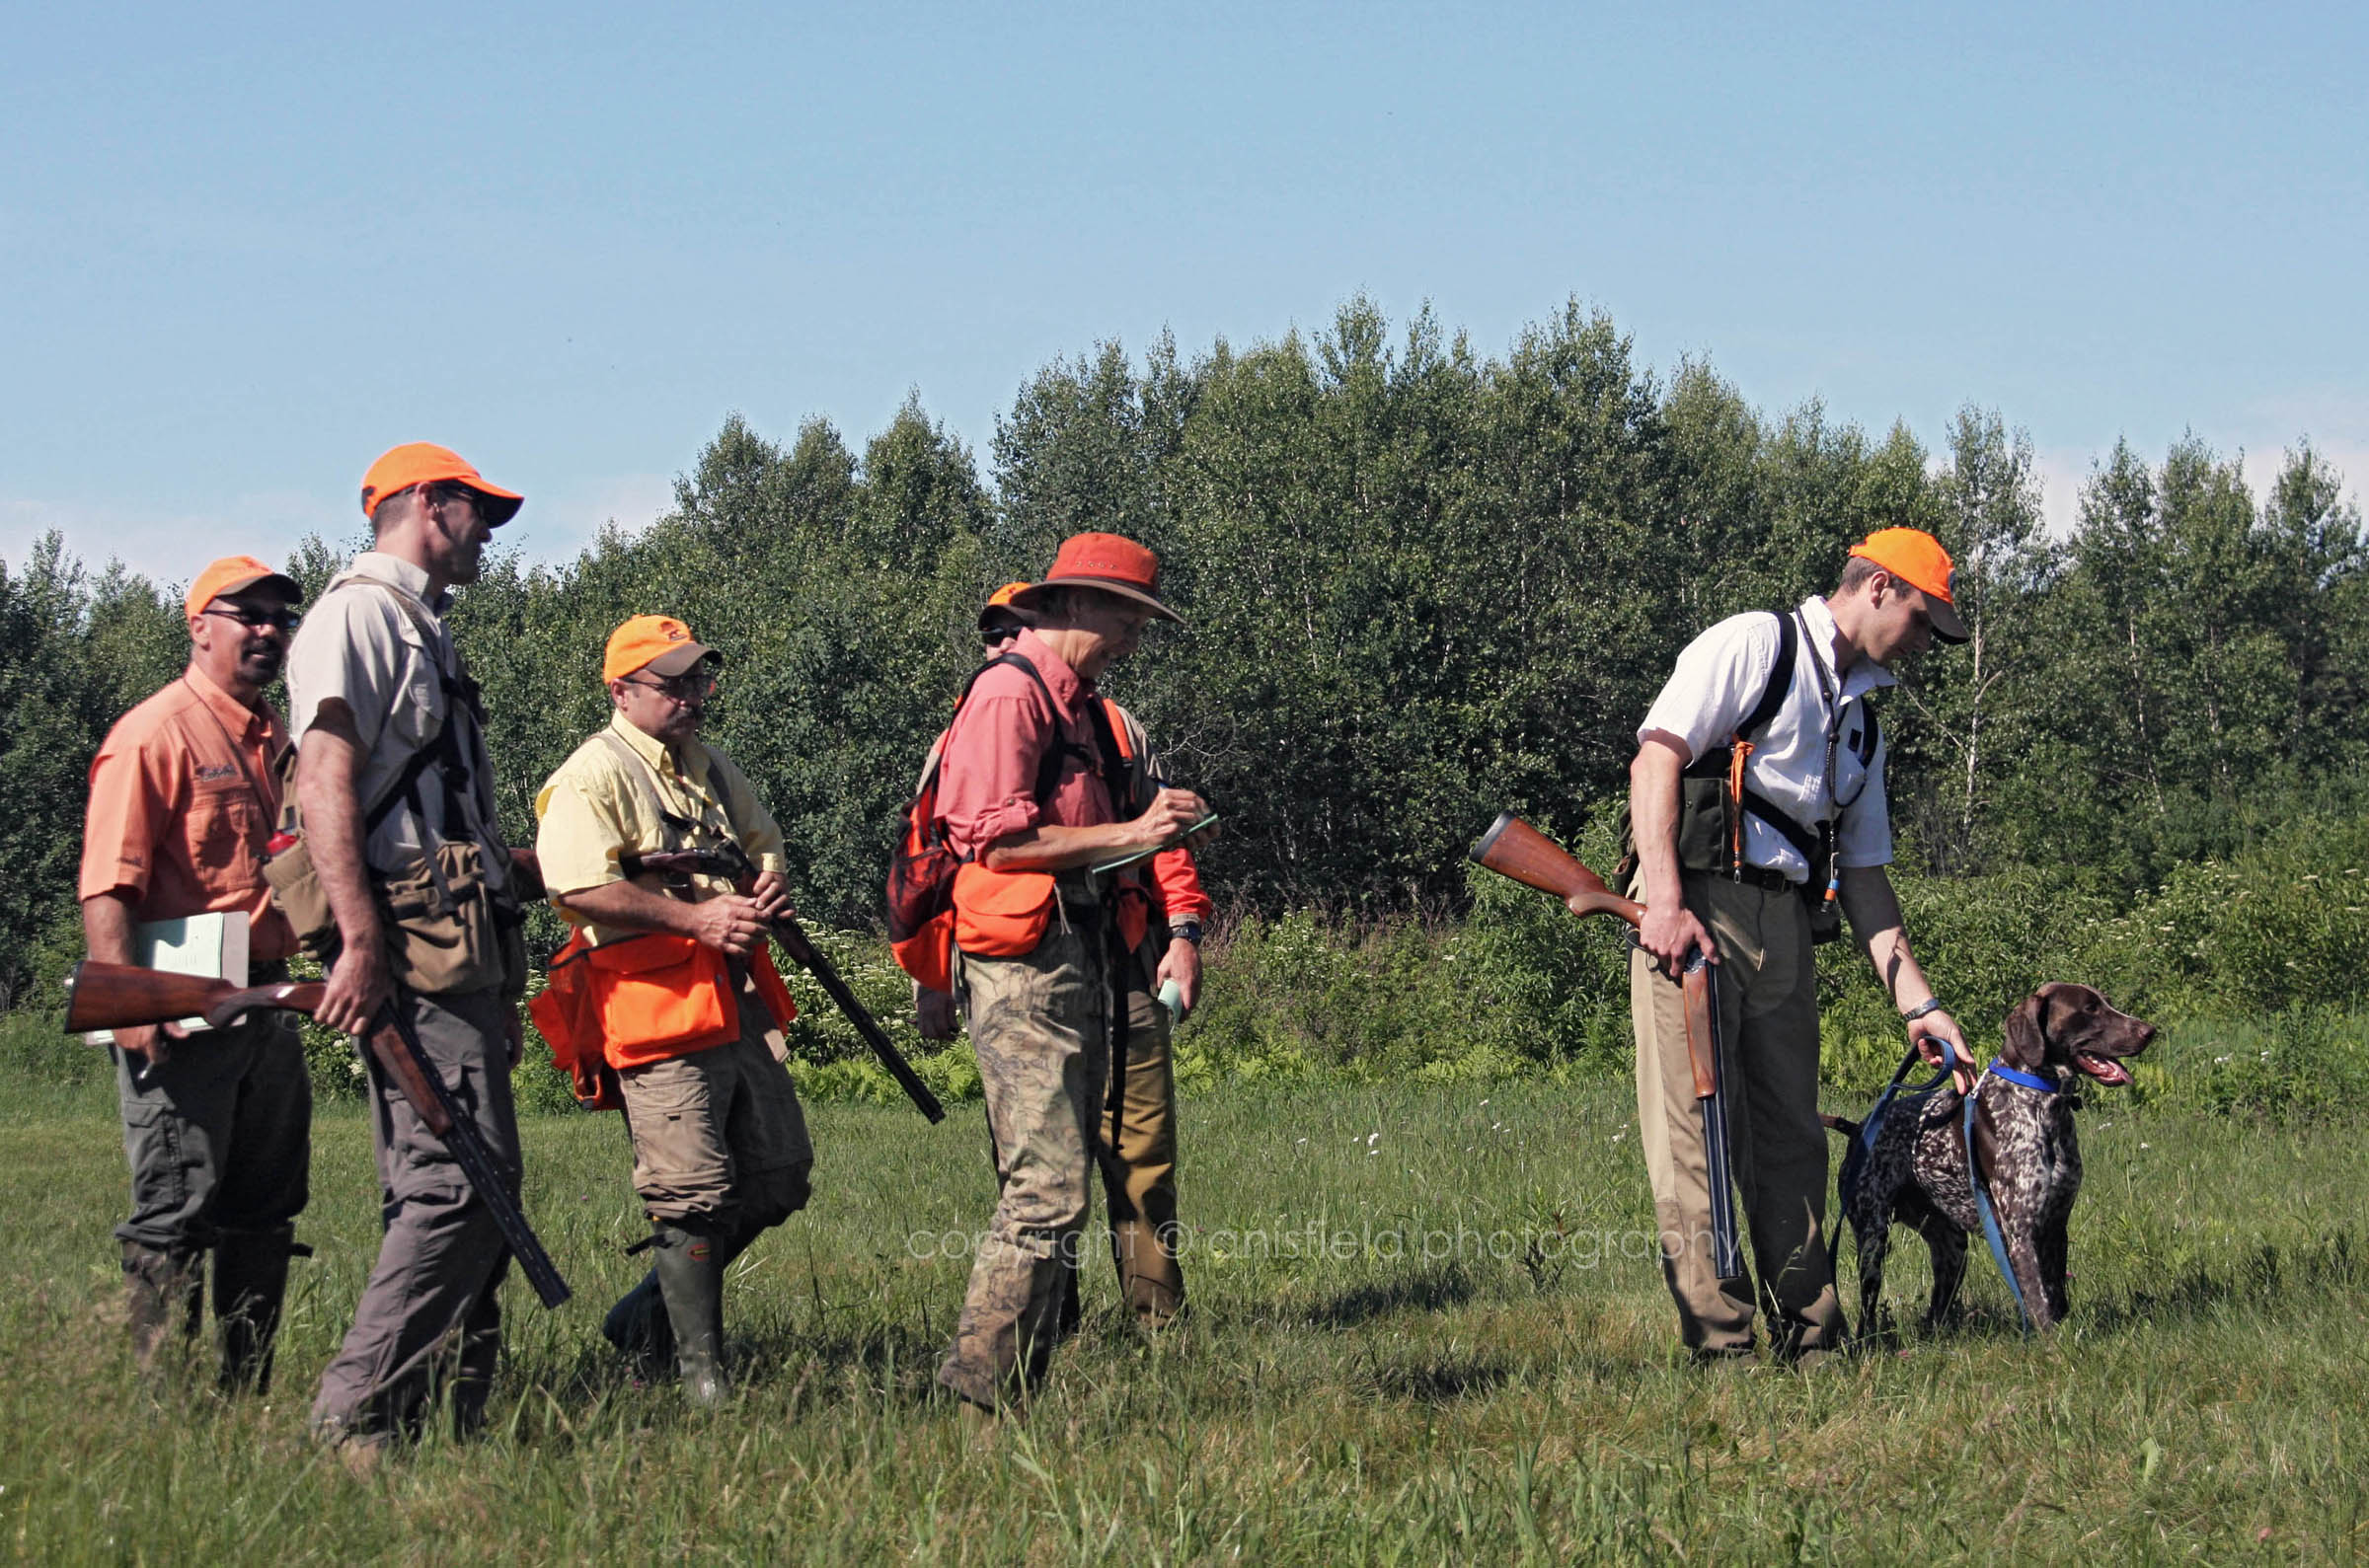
1185,931
1929,1005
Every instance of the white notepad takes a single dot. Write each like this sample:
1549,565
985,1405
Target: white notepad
213,945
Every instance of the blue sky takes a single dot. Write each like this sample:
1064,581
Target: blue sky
242,250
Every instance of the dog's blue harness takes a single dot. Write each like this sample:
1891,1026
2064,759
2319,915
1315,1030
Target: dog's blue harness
1982,1192
1894,1096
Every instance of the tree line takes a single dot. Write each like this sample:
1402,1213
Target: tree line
1422,584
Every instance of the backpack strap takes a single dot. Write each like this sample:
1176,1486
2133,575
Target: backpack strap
444,751
1781,681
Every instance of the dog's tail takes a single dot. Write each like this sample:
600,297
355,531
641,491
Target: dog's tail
1840,1124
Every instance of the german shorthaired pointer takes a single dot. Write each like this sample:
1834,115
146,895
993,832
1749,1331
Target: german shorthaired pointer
1914,1169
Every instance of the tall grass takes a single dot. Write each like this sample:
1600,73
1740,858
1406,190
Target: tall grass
1425,1328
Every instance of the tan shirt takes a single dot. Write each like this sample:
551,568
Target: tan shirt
600,804
360,646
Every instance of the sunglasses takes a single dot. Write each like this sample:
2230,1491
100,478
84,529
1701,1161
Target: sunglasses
692,686
258,619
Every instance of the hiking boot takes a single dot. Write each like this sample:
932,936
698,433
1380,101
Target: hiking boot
162,1289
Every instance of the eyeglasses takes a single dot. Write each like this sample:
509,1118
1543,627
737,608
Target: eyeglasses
258,619
692,686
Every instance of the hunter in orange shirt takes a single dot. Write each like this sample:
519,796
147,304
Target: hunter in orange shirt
217,1127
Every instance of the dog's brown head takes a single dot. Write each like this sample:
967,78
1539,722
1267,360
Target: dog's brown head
2074,1029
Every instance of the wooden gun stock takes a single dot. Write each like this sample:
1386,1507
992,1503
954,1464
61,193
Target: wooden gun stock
1514,849
104,996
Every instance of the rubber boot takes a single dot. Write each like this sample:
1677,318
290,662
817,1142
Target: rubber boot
159,1288
637,1325
251,1279
691,1279
1149,1280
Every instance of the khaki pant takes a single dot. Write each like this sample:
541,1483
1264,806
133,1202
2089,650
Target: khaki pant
1137,1145
719,1142
1767,985
1037,1024
428,1321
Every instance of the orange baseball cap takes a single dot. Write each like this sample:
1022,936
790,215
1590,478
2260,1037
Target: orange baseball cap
999,610
1917,558
657,643
235,575
425,463
1108,563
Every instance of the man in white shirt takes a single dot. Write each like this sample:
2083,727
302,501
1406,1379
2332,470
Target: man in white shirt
1814,830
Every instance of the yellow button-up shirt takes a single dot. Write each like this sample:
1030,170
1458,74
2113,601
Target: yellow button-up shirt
592,809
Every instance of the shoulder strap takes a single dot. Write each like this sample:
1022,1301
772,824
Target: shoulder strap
1781,681
638,768
1048,767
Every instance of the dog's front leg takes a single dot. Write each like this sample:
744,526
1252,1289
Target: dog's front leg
1947,1240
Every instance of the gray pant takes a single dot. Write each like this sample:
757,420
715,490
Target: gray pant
428,1316
218,1136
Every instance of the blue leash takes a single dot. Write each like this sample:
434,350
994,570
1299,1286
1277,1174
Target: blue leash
1982,1193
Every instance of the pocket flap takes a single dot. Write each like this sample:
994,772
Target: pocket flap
634,954
981,891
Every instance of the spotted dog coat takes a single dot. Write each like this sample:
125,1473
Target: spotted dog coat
2024,1140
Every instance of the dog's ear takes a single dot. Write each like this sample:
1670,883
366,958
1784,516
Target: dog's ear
2027,1046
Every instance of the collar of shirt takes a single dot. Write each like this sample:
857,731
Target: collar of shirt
402,574
1864,676
1070,689
689,764
245,722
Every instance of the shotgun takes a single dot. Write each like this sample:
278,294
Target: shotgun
1514,849
104,996
733,861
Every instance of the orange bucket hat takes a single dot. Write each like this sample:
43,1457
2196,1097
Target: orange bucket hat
235,575
1106,563
1917,558
425,463
657,642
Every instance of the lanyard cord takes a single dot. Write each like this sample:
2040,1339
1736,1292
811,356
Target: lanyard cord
1830,709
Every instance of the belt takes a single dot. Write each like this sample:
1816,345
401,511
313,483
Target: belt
267,974
1763,877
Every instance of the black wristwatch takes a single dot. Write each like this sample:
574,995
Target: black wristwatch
1188,931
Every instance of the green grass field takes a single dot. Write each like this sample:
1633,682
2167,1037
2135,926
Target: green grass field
1424,1329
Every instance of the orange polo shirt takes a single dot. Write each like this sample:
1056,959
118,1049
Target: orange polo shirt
185,794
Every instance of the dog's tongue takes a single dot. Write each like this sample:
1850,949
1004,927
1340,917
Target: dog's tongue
2103,1069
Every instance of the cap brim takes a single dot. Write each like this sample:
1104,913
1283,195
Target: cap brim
497,505
1947,625
1030,597
287,585
678,661
996,615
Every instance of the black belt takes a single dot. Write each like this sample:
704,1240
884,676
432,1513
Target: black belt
1763,877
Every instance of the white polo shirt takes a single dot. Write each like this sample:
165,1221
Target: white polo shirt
1717,681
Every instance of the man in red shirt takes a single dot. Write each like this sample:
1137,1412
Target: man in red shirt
217,1127
1136,1135
1028,789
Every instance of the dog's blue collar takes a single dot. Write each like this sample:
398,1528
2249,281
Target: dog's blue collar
2000,1069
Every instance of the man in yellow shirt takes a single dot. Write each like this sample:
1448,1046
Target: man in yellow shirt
689,1004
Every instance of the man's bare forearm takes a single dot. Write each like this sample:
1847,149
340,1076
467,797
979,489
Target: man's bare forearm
327,769
631,907
106,927
1873,910
1051,848
1653,819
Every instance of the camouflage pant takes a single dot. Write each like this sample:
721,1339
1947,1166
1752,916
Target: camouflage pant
1038,1025
1767,986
